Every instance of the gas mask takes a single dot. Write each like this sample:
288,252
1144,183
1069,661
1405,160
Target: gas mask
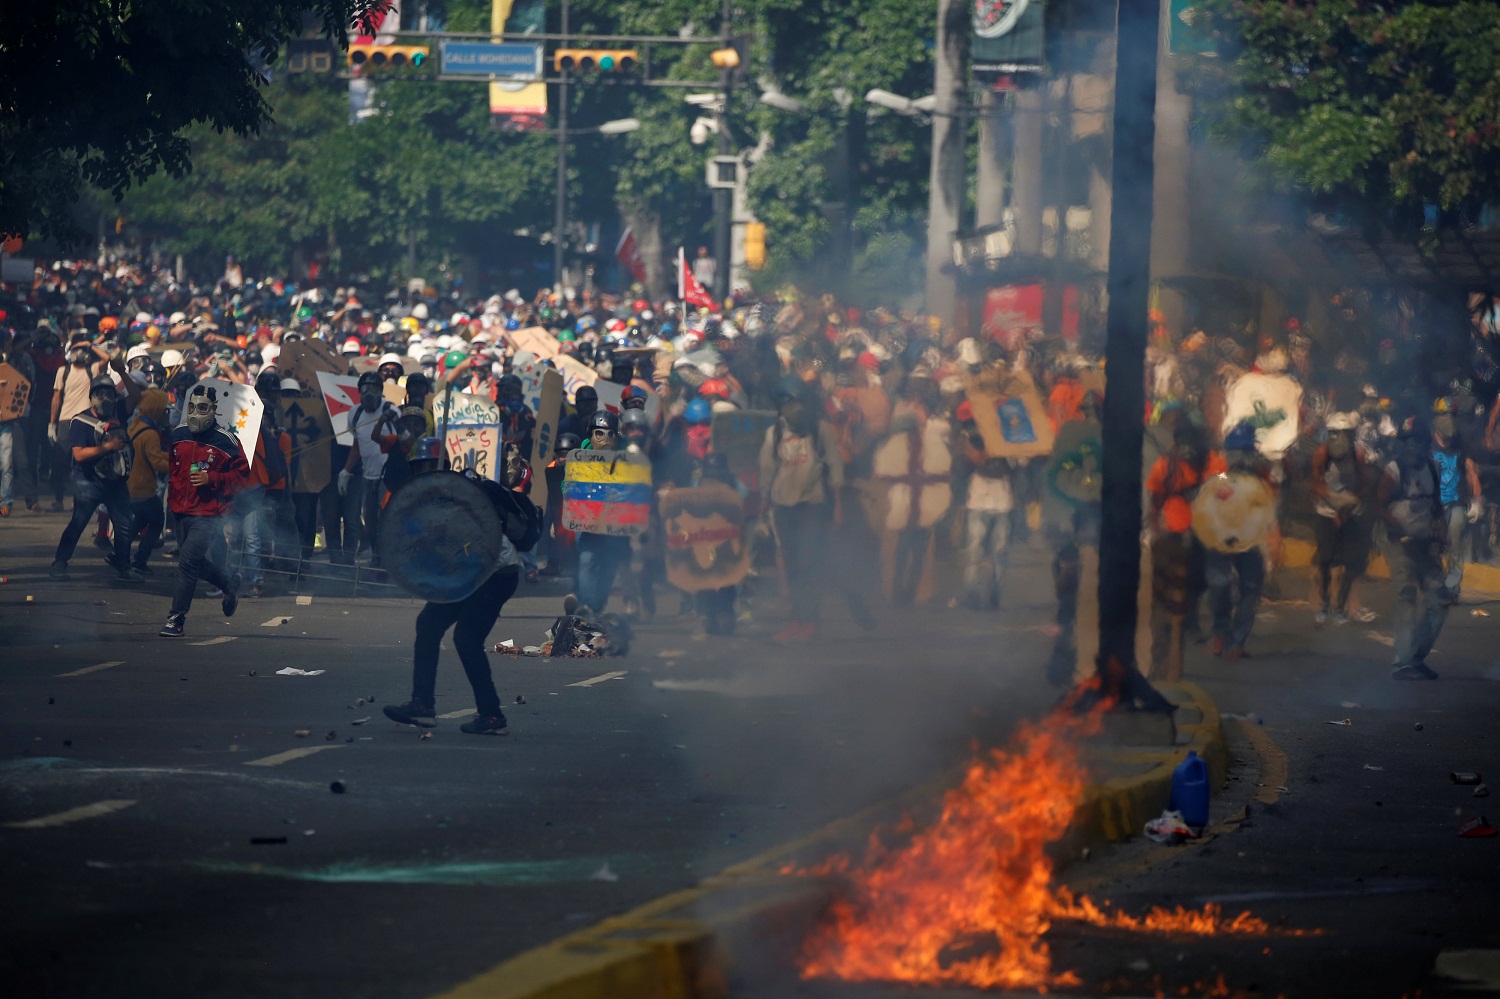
1339,445
198,414
79,358
103,403
515,467
514,405
369,399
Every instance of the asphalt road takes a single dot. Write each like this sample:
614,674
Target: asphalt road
443,856
447,855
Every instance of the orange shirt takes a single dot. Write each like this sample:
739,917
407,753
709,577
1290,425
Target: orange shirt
1170,481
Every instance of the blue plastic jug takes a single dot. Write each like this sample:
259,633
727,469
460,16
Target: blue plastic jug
1190,790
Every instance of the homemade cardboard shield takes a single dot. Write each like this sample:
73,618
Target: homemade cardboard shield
1272,404
705,547
303,359
738,436
476,449
238,411
14,391
306,423
916,469
1075,470
534,339
1009,413
548,412
607,492
461,409
340,394
440,536
1233,512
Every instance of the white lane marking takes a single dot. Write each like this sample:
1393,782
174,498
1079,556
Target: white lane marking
291,754
460,714
599,679
73,815
304,601
277,622
216,641
96,668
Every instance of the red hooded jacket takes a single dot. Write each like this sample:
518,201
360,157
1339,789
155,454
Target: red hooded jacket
221,455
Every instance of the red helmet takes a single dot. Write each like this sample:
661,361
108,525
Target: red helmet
716,387
640,305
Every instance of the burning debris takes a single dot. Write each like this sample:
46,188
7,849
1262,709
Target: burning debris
969,900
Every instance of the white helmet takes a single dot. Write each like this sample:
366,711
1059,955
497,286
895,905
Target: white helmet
171,358
1344,421
176,317
419,311
385,327
384,358
270,352
139,350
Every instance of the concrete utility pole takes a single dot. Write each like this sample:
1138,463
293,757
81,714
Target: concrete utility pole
723,197
560,217
1125,354
946,181
994,144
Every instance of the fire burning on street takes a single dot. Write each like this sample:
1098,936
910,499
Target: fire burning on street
970,899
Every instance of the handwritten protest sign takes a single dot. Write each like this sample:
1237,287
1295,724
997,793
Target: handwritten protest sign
461,409
705,549
607,492
476,448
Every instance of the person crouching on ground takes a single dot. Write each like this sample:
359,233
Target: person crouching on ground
207,467
472,617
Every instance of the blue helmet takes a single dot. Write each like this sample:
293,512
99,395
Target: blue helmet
698,411
513,323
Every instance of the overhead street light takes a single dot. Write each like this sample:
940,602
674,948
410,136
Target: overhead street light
781,102
619,126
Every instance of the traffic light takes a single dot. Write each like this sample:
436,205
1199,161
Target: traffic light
725,58
589,60
755,245
387,56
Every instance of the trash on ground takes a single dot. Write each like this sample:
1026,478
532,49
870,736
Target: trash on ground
520,699
424,737
604,874
267,840
1419,726
1346,722
278,621
337,787
1479,612
1464,777
1383,639
1372,767
1169,828
332,735
1348,704
1482,791
101,603
1477,829
302,733
360,721
294,671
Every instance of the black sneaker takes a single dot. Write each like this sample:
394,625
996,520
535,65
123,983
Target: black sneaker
175,626
102,542
231,600
121,569
1413,671
486,725
412,713
59,571
140,569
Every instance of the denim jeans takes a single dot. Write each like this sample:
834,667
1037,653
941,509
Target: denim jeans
1457,555
200,542
471,620
87,495
984,557
1422,599
361,513
11,453
1234,615
803,531
251,511
150,521
599,559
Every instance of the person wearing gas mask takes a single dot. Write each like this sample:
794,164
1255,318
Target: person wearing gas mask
472,617
1415,534
100,458
375,425
517,421
585,404
1343,485
207,467
599,555
70,396
1459,490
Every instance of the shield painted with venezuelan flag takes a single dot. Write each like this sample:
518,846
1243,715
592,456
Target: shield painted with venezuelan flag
607,492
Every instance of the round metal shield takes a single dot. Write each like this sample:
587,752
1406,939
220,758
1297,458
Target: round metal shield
1233,512
440,536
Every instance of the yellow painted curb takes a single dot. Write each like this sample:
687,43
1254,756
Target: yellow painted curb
1298,554
683,945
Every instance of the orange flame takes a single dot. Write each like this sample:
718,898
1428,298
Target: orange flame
969,899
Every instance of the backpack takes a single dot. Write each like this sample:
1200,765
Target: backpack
1416,507
520,519
115,466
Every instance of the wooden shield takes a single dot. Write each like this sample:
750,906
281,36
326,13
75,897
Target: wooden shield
306,422
1233,512
607,492
14,391
440,536
303,359
706,549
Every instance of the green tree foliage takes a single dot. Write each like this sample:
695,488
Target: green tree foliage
101,93
1377,106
